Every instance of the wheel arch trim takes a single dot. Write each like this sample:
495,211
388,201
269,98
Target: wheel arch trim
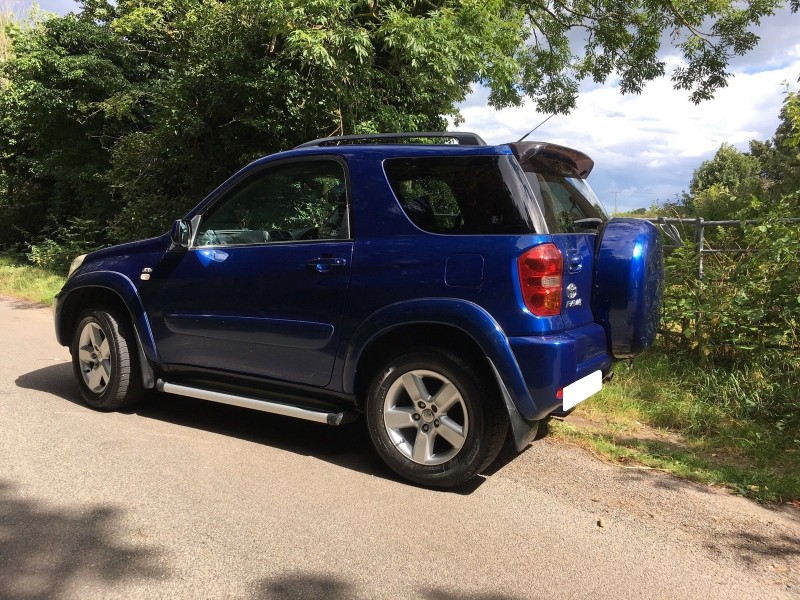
123,288
463,316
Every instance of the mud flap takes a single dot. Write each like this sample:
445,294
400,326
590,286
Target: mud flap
522,432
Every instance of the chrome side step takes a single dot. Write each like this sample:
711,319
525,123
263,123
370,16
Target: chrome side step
267,406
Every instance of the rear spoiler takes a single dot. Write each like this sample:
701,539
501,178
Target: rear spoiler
560,160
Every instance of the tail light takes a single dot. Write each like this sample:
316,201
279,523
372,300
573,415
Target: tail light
540,270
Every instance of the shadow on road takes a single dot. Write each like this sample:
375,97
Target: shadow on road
312,586
302,587
346,446
20,304
773,546
54,379
49,553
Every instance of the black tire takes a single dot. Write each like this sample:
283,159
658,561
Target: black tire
462,438
106,364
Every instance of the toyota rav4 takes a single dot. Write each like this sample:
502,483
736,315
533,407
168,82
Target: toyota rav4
450,292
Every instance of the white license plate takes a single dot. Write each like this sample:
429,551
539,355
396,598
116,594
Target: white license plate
577,392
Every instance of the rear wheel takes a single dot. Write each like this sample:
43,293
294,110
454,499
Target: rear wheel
433,419
105,361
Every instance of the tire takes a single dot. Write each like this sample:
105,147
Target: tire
436,446
105,360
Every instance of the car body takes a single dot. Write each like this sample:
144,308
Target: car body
361,276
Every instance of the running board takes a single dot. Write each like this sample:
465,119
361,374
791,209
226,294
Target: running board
276,408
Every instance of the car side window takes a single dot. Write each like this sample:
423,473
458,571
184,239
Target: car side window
462,195
288,202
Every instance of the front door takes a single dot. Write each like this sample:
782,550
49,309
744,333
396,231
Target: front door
262,289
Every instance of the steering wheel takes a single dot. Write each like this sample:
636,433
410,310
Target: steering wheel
209,238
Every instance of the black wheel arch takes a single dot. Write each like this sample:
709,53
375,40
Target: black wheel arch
72,304
417,336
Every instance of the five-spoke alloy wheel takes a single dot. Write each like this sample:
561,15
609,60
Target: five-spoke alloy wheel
433,419
426,417
105,360
94,357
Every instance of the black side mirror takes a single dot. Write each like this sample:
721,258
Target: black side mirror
181,233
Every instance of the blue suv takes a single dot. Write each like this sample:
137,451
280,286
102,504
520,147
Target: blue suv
453,293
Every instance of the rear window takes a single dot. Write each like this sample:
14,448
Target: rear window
569,203
463,195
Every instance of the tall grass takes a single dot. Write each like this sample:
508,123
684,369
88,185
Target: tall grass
27,282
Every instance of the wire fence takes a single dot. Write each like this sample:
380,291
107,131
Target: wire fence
675,229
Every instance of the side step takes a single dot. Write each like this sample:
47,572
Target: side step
267,406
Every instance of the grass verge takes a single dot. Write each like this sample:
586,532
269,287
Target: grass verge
666,413
27,282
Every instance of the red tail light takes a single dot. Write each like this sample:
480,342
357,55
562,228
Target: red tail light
540,270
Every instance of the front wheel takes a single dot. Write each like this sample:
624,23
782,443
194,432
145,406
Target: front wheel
433,419
105,360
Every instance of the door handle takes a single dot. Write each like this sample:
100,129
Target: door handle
323,264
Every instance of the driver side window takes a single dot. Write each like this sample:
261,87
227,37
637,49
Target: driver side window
289,202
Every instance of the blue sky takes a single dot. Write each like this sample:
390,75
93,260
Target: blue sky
646,146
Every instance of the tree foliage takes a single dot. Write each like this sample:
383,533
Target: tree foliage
128,112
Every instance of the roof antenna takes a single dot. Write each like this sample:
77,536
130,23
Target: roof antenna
535,128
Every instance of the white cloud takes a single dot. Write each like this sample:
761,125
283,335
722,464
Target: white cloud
646,146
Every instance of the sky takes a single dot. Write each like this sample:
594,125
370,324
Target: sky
645,147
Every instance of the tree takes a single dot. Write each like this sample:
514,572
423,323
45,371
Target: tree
131,111
779,157
721,188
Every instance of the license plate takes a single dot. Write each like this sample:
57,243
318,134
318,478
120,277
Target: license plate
577,392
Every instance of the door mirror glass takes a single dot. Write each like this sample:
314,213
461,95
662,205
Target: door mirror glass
181,233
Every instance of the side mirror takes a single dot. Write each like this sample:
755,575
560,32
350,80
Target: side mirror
181,233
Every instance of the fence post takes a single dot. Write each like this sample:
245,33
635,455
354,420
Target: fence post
699,238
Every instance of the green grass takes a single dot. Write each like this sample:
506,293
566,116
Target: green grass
27,282
735,427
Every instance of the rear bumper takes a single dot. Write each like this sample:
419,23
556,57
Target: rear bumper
550,363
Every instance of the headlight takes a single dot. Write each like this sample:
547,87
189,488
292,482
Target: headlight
75,264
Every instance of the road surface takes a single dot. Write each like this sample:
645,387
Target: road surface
186,499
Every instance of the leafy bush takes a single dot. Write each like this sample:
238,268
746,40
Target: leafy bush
56,252
741,322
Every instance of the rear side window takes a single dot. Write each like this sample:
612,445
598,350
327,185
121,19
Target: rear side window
463,195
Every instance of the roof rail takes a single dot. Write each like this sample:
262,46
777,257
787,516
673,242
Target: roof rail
463,138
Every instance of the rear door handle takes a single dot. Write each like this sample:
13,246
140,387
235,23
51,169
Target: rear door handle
323,264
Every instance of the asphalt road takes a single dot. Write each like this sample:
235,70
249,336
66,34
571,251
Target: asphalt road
186,499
